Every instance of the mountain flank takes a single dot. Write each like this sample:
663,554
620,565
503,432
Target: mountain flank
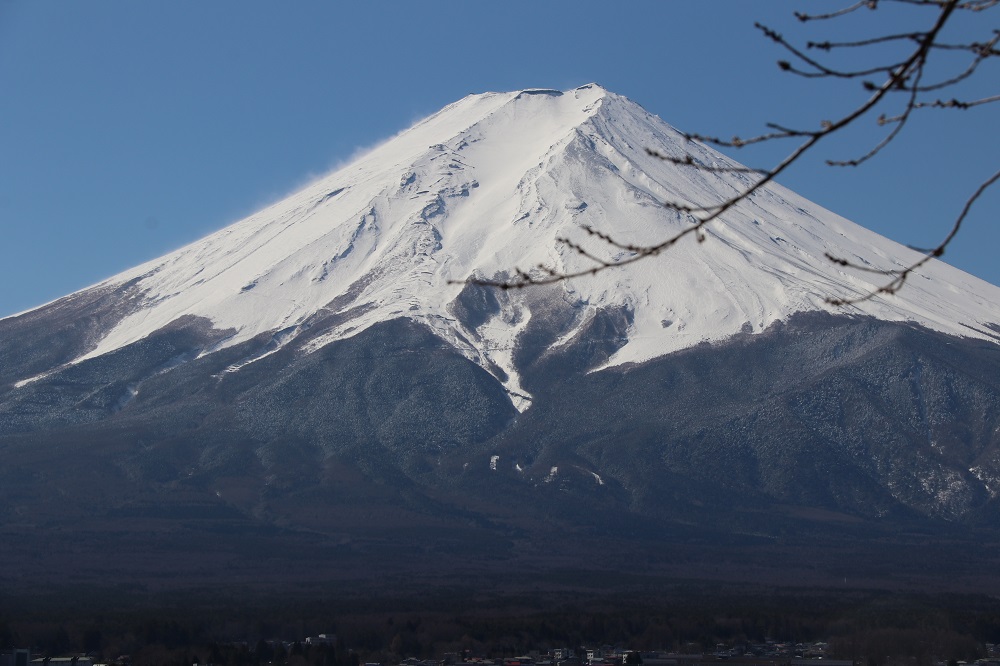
313,395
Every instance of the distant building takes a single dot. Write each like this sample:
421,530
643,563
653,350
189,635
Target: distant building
322,639
81,660
16,658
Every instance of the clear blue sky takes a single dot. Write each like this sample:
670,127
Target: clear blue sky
128,129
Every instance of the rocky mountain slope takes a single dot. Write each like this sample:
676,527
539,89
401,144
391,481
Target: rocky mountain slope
314,385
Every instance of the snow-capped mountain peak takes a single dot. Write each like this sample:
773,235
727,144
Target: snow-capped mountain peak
490,183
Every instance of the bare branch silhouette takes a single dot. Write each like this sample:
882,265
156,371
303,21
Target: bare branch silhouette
906,81
900,276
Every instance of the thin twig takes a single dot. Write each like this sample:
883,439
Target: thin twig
956,104
688,160
823,17
901,275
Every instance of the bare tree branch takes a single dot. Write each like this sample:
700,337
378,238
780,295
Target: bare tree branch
905,74
847,10
900,123
956,104
900,275
821,70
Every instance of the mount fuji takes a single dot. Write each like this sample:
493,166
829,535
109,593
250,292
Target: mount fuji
321,384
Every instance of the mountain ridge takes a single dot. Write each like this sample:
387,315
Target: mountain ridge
386,235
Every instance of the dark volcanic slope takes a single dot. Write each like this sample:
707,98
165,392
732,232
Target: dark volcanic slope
825,448
851,415
307,394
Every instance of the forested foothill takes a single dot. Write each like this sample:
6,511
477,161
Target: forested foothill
223,627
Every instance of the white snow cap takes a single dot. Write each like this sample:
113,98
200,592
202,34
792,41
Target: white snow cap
488,184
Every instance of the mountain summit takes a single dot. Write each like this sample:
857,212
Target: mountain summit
317,383
488,184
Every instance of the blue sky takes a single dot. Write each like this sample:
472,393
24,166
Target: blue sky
128,129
